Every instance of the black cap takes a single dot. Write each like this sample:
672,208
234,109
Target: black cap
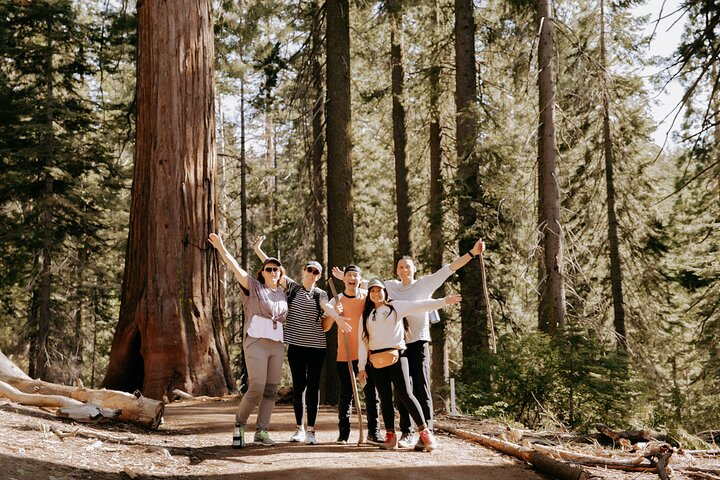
272,260
352,268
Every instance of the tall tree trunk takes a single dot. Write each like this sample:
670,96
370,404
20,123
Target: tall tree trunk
43,314
243,183
244,241
615,266
553,291
270,162
170,333
402,200
341,227
474,331
318,140
439,366
95,317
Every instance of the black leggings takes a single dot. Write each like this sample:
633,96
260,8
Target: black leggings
305,367
418,355
398,376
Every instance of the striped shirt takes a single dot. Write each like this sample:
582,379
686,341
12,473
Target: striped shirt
303,327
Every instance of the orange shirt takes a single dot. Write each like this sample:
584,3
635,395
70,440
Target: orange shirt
352,309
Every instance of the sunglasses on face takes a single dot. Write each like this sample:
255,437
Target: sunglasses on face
271,269
312,270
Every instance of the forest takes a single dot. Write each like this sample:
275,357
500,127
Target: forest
357,132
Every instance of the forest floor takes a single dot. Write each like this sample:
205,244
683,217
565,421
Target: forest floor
194,443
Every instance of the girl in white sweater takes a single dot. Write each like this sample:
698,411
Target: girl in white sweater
383,331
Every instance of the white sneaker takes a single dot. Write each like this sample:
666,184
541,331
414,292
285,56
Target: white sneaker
298,436
310,438
407,440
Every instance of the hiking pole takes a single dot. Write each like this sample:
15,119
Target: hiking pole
487,304
356,397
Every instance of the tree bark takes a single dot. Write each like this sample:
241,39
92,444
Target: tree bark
552,289
616,279
170,333
341,227
318,141
474,322
439,373
43,313
402,199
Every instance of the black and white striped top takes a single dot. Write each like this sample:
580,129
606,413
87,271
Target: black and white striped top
303,326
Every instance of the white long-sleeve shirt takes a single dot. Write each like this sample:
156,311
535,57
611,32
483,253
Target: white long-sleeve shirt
421,289
385,326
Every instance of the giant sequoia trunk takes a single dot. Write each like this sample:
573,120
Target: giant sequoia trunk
552,289
341,229
402,200
474,322
613,241
170,333
439,365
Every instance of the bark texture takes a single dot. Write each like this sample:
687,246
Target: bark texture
439,366
341,227
318,141
170,333
402,199
552,289
474,323
616,279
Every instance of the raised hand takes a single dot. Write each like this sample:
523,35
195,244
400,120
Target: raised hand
453,299
338,273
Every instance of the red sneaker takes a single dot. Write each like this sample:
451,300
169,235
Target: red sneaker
391,441
426,441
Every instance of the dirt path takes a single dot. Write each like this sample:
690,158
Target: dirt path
193,443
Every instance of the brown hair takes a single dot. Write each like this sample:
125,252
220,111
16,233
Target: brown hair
259,274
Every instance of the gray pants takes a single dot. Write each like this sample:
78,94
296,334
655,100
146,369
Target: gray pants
264,359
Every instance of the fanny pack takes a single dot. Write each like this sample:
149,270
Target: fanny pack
384,358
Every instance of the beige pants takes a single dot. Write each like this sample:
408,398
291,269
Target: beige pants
264,359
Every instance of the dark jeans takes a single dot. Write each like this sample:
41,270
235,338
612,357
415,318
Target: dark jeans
397,376
418,355
305,367
345,399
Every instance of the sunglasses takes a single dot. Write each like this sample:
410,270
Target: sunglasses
312,270
271,269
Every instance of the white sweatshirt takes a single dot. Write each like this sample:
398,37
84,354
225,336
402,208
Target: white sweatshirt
421,289
385,326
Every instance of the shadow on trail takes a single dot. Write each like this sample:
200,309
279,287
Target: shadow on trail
37,469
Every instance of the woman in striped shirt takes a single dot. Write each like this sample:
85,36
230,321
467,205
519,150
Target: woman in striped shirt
305,338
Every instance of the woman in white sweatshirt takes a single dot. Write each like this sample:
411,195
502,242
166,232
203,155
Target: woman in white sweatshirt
383,330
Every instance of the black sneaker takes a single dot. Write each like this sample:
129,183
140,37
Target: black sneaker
374,438
341,441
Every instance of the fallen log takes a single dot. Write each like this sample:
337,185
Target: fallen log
637,464
81,432
133,408
7,367
659,455
539,461
700,475
34,400
700,472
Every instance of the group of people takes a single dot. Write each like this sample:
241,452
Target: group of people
384,333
